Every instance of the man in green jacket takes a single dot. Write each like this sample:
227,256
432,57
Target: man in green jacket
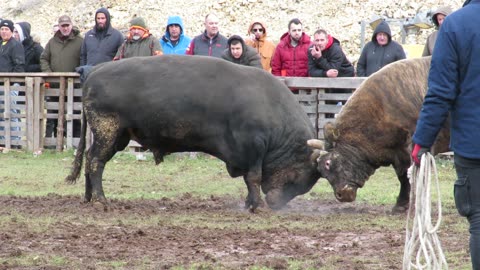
139,41
61,54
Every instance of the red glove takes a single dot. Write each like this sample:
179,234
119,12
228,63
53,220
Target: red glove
417,153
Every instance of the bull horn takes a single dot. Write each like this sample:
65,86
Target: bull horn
317,144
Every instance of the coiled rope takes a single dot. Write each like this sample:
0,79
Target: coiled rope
423,249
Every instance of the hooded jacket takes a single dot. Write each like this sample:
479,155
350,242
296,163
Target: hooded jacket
332,58
375,56
62,55
183,40
33,50
100,46
454,85
265,48
249,56
432,38
291,61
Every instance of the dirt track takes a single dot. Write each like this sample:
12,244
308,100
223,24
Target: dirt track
86,237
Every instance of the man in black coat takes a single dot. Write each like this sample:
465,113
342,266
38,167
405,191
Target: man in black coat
12,56
33,50
326,58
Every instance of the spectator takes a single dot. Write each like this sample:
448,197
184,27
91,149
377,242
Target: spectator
379,52
290,57
12,54
211,42
12,59
239,53
437,18
55,29
139,41
326,58
452,96
32,49
102,42
174,41
258,40
61,54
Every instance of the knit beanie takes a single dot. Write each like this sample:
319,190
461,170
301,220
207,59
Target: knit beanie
7,23
138,22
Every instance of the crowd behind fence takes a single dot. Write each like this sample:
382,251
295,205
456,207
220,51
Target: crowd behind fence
28,100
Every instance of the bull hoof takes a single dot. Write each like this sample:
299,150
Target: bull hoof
253,205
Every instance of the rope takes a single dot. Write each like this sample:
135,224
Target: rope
423,249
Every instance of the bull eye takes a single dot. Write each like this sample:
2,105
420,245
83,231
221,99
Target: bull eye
327,164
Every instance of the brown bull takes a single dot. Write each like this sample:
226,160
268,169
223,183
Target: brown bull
375,128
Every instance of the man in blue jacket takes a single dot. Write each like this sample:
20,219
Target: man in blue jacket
454,86
174,41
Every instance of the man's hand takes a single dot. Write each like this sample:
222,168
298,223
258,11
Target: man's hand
332,73
417,153
316,52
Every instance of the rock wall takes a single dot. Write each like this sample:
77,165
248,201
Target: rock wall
341,18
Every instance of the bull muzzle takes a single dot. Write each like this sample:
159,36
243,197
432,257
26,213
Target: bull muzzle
346,194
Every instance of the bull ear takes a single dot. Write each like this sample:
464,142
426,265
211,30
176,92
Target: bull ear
330,133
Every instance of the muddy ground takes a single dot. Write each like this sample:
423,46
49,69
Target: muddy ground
60,232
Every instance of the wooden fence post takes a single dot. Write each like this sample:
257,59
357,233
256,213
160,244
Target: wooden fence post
30,113
61,114
7,113
38,113
69,116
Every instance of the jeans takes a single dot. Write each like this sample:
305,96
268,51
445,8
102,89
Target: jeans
467,201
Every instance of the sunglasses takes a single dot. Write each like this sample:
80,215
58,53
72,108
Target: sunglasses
257,30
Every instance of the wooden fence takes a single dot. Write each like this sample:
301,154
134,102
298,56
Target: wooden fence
29,100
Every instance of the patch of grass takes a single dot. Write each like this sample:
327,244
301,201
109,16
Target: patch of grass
32,260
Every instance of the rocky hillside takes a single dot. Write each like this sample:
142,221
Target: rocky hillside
341,17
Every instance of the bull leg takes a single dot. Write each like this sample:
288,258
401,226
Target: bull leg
401,168
253,180
106,143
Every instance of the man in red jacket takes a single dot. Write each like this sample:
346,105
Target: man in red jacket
291,57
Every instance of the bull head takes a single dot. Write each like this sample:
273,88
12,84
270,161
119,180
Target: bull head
335,167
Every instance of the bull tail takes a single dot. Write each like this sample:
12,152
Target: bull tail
78,161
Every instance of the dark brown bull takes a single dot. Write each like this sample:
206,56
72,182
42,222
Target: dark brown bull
374,129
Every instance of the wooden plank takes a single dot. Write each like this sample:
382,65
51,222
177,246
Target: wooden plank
308,98
38,111
329,108
61,114
69,112
308,82
331,96
30,113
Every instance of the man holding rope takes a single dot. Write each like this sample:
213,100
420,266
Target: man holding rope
454,86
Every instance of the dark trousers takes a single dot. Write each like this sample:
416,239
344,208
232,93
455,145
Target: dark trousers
467,201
